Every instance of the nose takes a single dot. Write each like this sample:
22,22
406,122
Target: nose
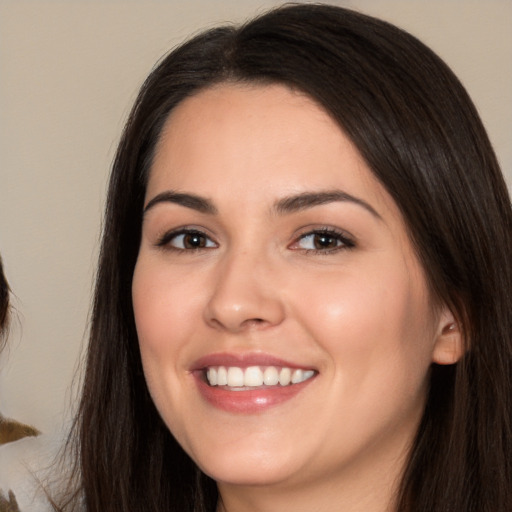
245,295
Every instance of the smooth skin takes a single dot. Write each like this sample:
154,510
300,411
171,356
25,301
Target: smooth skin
294,250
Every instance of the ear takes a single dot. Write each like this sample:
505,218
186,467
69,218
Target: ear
449,343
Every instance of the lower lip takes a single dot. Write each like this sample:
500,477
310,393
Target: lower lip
248,401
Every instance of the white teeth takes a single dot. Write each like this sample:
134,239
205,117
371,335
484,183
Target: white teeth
255,376
285,376
222,376
307,374
211,375
270,376
235,377
297,376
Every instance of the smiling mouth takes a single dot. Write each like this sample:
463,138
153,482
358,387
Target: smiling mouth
253,377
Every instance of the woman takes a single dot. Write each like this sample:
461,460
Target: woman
303,297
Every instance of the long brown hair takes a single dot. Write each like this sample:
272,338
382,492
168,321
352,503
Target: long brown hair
413,122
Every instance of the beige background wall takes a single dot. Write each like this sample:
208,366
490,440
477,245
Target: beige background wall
69,71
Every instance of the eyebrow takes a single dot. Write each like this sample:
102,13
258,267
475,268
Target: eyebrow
307,200
283,206
192,201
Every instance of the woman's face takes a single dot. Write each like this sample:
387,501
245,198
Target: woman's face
269,252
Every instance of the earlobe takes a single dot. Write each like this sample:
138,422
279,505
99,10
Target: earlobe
449,345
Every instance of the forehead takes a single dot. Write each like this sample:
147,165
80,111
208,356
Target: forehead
243,141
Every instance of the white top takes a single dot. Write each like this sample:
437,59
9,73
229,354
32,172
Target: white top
25,466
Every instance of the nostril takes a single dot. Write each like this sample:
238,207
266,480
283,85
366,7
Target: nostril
255,323
237,308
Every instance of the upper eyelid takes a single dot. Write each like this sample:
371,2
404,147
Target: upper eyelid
166,236
309,230
187,228
347,240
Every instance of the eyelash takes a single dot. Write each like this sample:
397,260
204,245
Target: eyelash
165,241
343,240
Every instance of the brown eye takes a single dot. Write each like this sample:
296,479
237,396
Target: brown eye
193,241
323,241
187,240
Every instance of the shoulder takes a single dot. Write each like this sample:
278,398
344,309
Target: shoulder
24,466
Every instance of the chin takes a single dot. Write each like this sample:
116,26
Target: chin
248,471
248,477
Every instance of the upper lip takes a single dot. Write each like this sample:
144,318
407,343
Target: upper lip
244,360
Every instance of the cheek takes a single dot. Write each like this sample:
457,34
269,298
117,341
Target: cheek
165,307
165,311
375,331
370,323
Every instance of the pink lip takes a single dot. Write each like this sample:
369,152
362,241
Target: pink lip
243,360
250,401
